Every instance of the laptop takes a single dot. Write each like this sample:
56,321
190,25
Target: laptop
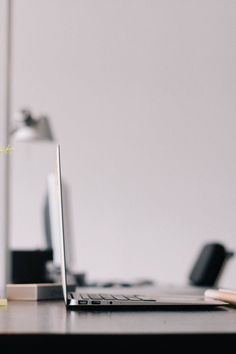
77,300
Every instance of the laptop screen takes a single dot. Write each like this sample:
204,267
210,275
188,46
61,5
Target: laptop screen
61,225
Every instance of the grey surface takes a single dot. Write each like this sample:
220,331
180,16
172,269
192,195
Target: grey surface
51,317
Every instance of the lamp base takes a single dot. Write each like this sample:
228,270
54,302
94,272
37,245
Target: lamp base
34,291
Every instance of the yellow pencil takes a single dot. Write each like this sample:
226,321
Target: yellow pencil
225,295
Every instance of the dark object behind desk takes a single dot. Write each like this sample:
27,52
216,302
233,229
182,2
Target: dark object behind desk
209,264
30,266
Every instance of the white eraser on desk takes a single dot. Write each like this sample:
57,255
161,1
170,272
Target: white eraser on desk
44,291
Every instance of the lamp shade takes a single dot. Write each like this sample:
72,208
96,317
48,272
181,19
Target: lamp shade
39,131
31,129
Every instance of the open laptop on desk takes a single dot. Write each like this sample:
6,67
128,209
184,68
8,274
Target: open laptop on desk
82,301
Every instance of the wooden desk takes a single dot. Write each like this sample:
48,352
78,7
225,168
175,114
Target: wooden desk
49,319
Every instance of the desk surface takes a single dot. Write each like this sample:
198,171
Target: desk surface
51,317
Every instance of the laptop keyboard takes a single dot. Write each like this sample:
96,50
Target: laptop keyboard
115,297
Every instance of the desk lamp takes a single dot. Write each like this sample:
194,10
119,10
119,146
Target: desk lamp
29,266
27,128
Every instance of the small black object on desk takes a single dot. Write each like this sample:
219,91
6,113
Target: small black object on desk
209,265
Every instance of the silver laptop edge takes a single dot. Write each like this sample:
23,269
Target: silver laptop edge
61,227
74,300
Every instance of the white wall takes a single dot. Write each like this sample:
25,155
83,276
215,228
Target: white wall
141,96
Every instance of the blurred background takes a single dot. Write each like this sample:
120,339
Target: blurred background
141,96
